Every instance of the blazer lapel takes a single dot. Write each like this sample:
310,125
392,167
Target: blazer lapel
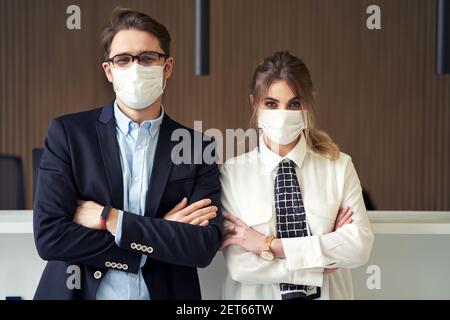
162,166
106,133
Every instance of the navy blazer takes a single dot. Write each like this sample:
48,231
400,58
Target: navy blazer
81,161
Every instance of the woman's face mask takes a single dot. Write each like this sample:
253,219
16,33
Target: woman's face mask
281,126
137,86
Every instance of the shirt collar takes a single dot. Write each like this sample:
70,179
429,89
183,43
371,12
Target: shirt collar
124,123
271,159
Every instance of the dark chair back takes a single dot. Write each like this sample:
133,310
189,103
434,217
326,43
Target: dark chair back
370,205
12,185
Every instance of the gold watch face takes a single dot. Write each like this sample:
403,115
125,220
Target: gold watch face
267,255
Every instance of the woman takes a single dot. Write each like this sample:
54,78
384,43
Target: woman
291,232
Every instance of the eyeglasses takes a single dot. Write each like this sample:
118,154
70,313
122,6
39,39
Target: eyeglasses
146,59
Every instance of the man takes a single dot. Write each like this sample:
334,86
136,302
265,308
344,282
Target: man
112,208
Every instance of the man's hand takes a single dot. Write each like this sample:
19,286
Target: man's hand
199,213
88,214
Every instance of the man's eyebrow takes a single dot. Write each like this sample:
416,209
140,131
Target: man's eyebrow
120,53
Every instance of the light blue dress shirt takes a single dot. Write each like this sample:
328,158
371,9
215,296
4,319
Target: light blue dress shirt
137,145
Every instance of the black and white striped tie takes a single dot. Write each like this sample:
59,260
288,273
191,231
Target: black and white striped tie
291,222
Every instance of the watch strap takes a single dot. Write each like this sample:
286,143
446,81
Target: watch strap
104,216
267,243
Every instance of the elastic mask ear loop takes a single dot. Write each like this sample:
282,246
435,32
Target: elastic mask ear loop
259,136
165,80
259,129
306,122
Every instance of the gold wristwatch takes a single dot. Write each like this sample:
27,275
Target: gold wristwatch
266,253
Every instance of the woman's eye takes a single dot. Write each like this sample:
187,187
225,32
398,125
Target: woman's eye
270,104
295,105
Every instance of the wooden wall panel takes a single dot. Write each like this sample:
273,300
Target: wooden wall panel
378,94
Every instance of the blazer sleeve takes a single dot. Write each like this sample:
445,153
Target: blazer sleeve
347,247
175,242
56,236
247,267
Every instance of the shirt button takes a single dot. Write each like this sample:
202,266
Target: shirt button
136,179
97,274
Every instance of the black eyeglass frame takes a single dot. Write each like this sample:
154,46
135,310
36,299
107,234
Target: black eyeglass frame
160,55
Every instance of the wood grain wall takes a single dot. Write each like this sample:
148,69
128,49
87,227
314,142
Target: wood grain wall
379,97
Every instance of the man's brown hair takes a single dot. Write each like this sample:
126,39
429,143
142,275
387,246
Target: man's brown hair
124,19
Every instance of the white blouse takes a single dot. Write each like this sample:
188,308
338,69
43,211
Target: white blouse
326,185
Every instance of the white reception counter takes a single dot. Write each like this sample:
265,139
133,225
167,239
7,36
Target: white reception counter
411,252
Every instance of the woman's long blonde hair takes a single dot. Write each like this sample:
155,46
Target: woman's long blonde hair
284,66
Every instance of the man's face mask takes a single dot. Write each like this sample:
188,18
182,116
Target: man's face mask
138,86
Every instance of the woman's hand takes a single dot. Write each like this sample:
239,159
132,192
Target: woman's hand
242,235
251,240
199,213
344,217
88,214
